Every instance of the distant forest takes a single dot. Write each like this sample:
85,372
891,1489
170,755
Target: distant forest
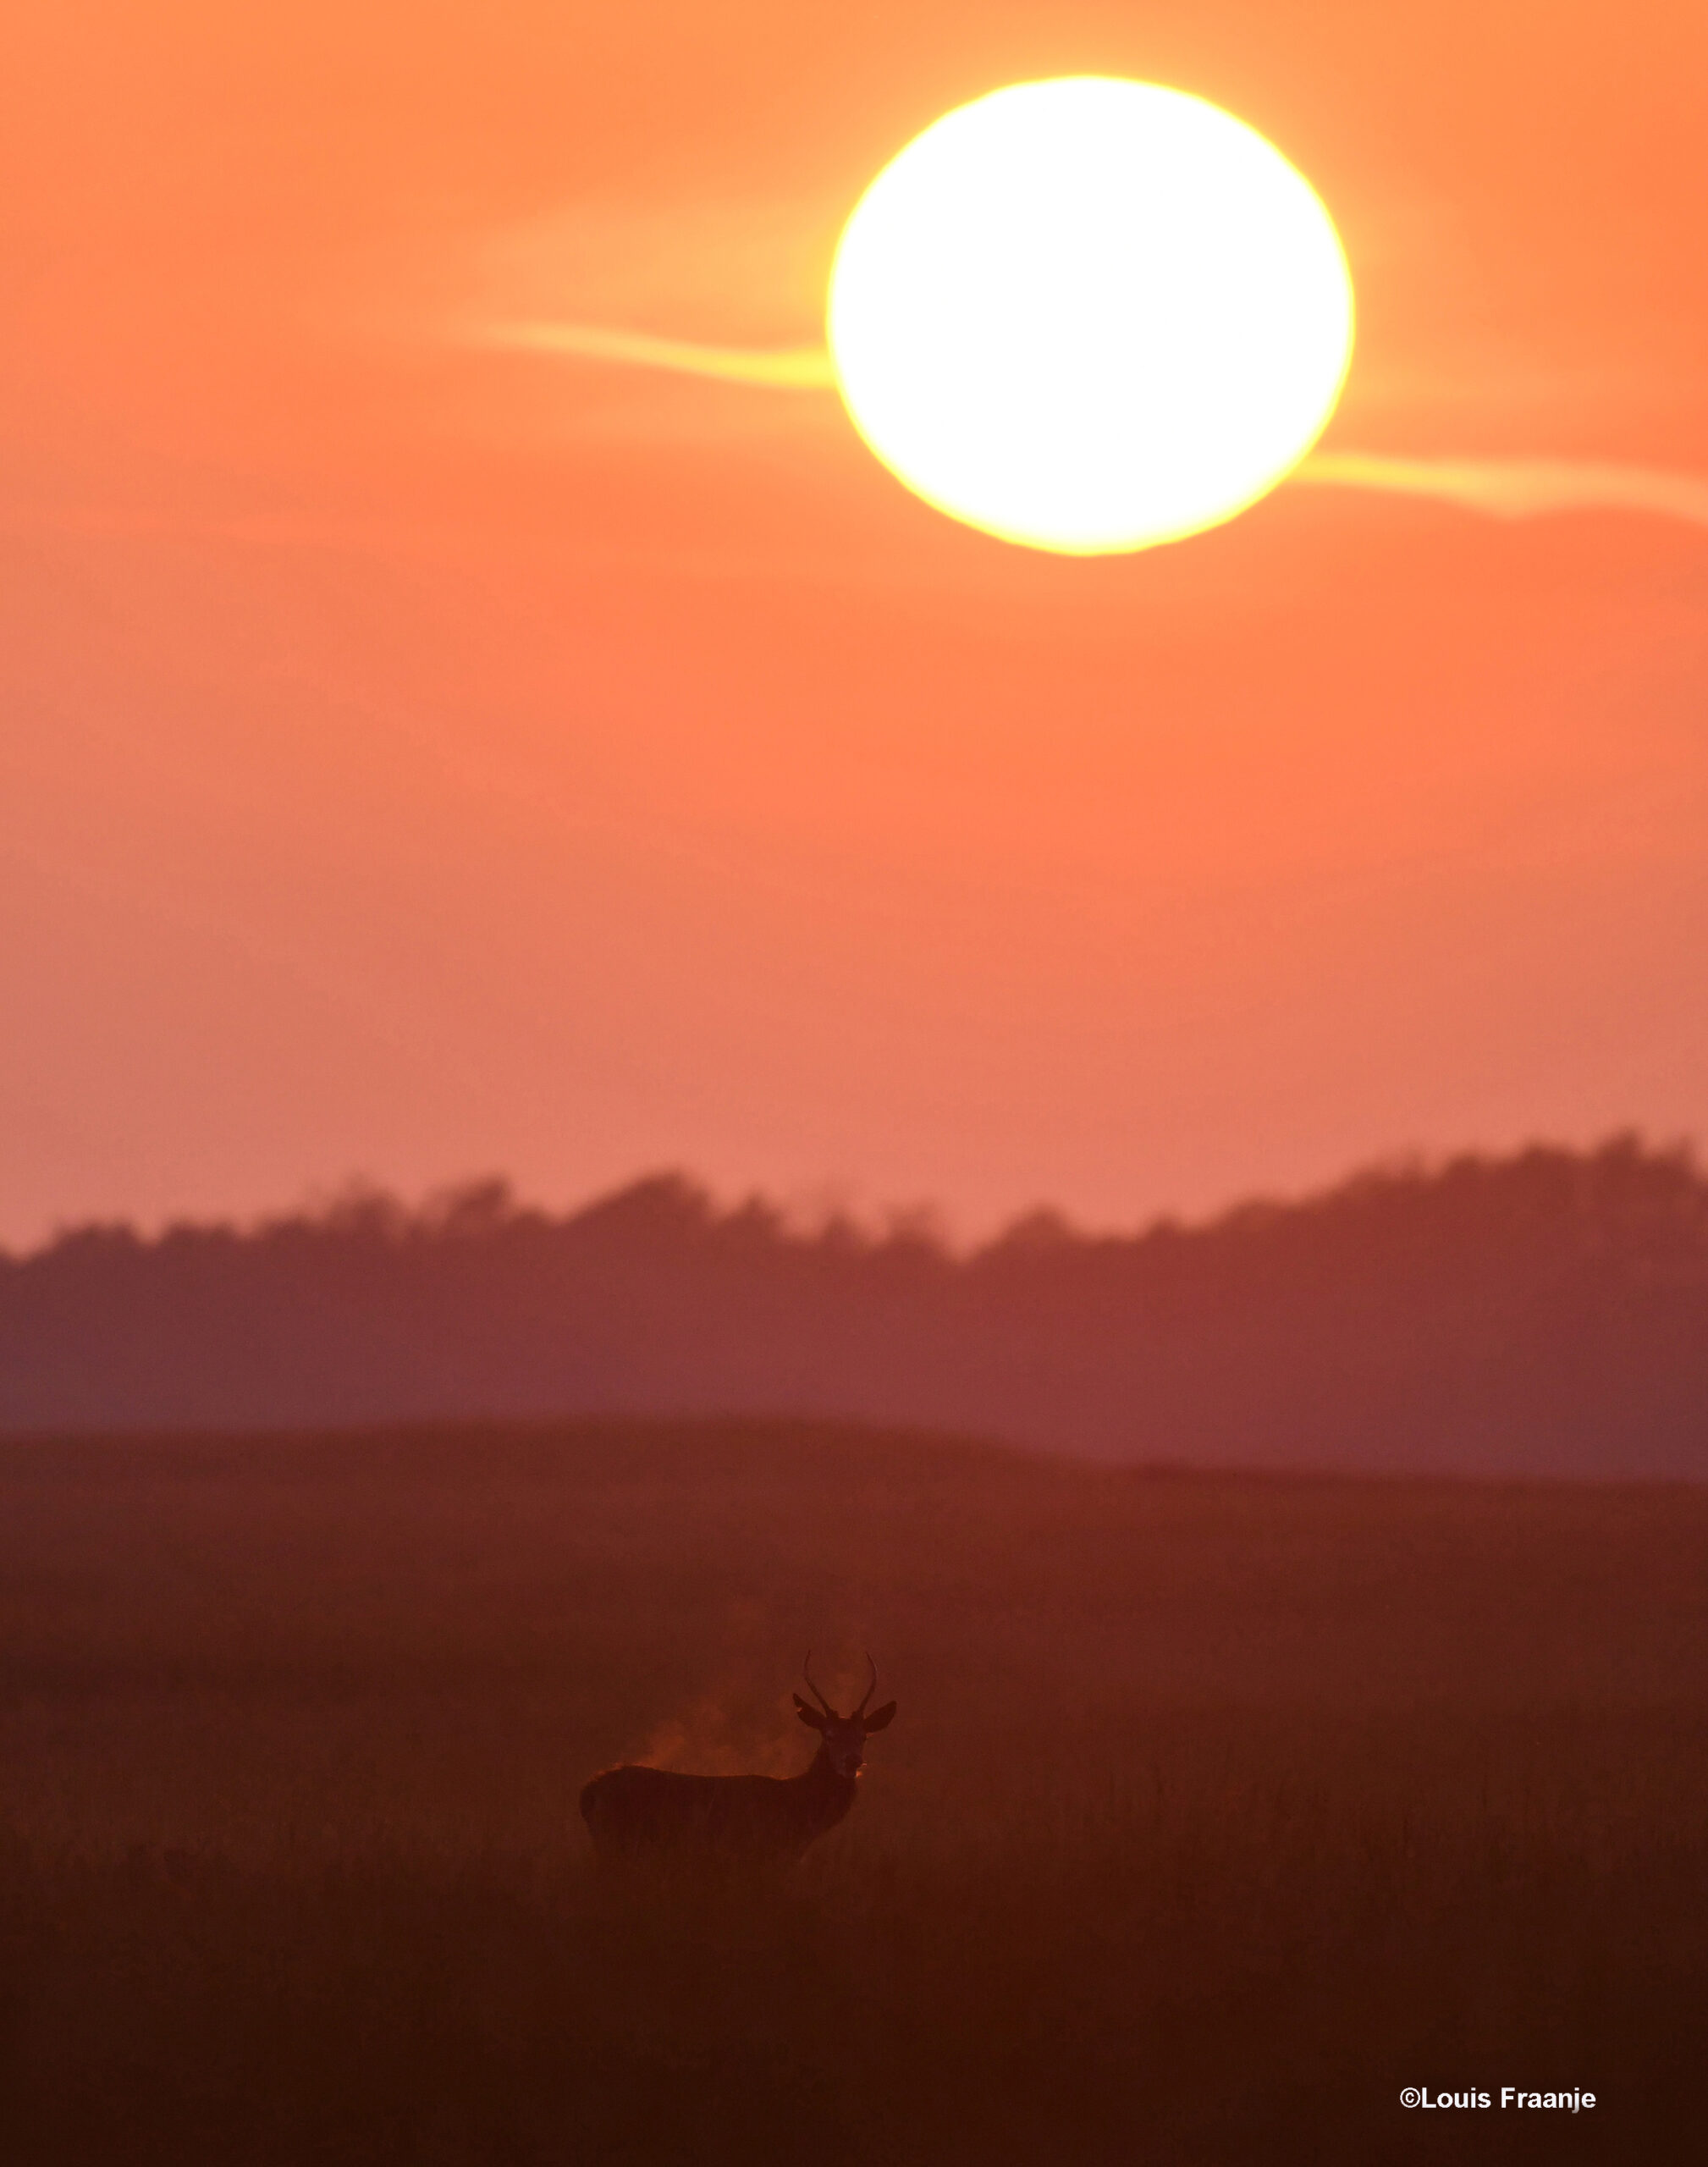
1542,1313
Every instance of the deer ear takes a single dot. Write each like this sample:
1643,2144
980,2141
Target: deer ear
880,1717
809,1715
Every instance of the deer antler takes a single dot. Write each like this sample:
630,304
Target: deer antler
871,1687
807,1672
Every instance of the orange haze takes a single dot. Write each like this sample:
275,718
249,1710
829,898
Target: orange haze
416,758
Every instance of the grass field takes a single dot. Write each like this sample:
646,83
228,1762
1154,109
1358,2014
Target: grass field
1217,1810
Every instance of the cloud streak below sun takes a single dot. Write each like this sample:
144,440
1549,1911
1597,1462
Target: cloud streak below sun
1501,489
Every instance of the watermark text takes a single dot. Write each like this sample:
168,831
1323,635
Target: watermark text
1505,2095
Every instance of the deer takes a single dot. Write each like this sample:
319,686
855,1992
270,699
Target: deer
634,1813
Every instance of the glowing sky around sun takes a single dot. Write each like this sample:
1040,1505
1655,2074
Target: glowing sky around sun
418,757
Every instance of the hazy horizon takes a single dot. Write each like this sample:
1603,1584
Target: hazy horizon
1542,1314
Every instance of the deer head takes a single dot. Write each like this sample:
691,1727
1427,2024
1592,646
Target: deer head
845,1736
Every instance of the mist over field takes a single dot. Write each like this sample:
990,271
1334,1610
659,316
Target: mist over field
1546,1313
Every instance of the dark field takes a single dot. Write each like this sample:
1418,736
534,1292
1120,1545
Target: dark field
1217,1810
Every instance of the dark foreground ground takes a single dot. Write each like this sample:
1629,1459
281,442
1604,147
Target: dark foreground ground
1218,1808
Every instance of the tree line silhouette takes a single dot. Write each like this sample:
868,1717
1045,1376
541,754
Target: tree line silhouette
1545,1312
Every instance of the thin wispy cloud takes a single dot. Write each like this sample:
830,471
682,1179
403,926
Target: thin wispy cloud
780,368
1518,488
1500,489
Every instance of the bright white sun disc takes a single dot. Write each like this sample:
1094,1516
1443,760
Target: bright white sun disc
1090,315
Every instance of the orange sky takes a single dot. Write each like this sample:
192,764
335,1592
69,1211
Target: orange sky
416,759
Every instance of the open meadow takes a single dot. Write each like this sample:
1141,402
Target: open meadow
1218,1808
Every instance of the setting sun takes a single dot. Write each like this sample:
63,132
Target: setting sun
1090,315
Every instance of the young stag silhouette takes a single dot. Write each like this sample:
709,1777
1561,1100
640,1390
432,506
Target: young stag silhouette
637,1813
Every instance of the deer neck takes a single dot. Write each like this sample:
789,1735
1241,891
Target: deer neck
830,1795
